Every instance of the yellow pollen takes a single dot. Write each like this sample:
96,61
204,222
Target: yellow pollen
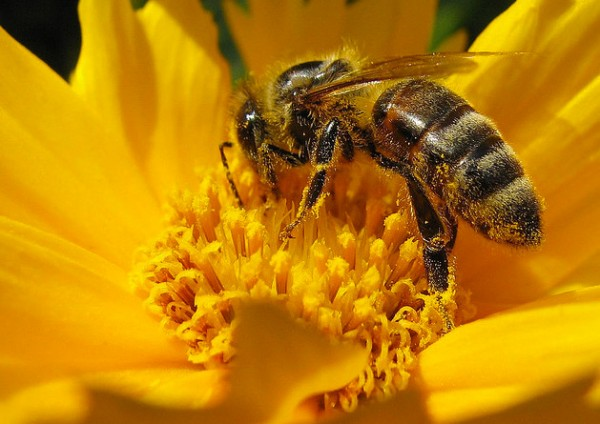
354,271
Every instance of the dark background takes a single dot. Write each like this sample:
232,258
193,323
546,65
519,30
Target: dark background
50,29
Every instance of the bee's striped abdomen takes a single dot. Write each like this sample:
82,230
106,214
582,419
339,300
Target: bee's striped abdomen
480,177
460,155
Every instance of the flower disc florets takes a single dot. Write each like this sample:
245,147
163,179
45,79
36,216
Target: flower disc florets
354,272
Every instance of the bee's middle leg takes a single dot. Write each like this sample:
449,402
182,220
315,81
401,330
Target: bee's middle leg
322,160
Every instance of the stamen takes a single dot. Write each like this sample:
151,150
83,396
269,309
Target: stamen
354,272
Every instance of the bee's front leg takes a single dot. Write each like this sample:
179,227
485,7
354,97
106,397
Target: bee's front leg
234,190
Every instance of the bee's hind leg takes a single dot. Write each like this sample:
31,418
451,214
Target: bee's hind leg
438,229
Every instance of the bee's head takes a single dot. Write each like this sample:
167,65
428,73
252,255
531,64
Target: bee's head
250,128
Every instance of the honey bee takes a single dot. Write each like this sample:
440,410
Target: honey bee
453,159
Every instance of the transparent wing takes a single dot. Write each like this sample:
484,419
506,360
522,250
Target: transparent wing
434,65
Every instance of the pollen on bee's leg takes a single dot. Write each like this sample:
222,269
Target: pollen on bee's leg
355,274
446,316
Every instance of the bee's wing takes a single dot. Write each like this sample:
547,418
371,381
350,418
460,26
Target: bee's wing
434,65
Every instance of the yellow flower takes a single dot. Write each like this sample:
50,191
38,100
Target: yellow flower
89,169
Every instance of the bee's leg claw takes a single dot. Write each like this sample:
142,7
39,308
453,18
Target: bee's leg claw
286,234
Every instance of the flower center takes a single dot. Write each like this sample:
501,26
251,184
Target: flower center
354,271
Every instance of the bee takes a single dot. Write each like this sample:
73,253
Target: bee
453,159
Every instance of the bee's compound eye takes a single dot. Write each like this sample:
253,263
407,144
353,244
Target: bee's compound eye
250,128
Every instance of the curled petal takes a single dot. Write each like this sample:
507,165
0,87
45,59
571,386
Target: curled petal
512,353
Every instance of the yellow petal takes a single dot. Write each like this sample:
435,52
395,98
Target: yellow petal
192,91
157,81
500,358
384,28
585,275
561,49
457,42
68,309
280,364
115,73
407,407
291,363
60,170
274,31
64,400
52,401
285,30
184,387
564,403
546,102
